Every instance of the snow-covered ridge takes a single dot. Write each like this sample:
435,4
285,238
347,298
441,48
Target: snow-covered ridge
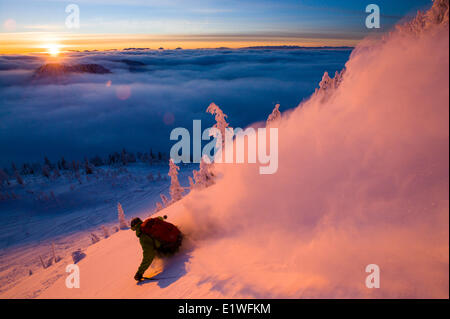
436,15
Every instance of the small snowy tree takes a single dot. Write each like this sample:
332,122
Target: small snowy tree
4,179
176,191
105,232
64,165
204,177
56,258
56,173
328,85
121,215
221,123
42,262
49,262
88,167
164,199
48,163
18,178
46,171
275,116
191,183
94,238
220,117
124,157
77,255
158,206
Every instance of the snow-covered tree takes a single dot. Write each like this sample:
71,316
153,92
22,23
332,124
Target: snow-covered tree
56,258
88,167
105,232
48,163
176,191
164,199
18,178
158,206
64,165
77,255
437,14
4,179
124,157
191,183
220,117
94,238
121,215
25,169
204,177
96,161
56,173
42,262
275,116
328,85
75,168
46,171
152,156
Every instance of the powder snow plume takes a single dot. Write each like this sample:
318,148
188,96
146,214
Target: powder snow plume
363,179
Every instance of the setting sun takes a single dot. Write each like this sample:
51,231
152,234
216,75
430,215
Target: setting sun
52,49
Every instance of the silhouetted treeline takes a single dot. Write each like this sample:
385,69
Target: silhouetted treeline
50,168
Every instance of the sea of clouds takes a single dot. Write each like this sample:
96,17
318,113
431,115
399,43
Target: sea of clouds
363,179
147,94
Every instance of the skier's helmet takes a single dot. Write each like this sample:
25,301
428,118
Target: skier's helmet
135,222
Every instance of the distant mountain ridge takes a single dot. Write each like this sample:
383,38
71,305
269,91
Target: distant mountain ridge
57,69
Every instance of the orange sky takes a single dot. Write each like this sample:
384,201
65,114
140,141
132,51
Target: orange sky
33,42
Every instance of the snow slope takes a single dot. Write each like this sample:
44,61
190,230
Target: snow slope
363,179
108,272
30,224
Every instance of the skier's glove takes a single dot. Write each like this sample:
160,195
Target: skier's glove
138,276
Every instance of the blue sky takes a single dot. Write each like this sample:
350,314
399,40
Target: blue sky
205,16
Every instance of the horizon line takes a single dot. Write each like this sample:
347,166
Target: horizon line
35,42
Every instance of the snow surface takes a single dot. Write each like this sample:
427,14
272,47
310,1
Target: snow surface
30,224
109,269
363,178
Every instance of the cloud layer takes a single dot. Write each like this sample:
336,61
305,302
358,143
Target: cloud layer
148,94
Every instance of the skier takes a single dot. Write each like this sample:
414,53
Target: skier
157,237
148,248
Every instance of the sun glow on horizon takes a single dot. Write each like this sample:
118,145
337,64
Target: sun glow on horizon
53,49
56,44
